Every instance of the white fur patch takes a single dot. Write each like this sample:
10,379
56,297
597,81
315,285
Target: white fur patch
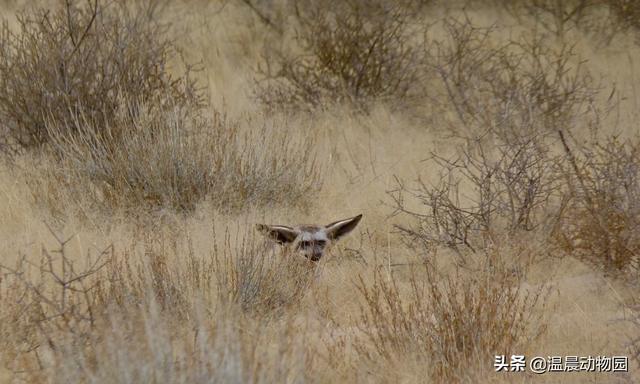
314,236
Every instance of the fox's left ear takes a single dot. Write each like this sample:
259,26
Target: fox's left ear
280,233
340,228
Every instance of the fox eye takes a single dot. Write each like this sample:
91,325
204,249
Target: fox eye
307,244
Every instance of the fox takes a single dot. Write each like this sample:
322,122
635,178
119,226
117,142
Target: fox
311,241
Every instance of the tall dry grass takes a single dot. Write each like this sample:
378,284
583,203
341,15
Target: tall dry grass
92,85
350,52
177,158
81,56
160,310
153,313
442,325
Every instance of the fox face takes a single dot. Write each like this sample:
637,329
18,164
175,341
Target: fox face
310,241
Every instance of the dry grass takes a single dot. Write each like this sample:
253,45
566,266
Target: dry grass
141,302
156,312
351,52
175,159
117,132
603,218
259,280
81,56
128,249
446,322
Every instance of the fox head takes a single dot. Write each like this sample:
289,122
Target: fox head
311,241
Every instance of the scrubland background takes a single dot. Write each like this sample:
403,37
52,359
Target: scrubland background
491,146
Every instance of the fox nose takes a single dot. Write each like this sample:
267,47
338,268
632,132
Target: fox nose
315,256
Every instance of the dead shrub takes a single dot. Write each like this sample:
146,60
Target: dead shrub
50,301
601,20
150,311
351,52
482,194
620,17
603,217
504,103
82,55
520,87
175,158
59,302
627,12
445,323
557,17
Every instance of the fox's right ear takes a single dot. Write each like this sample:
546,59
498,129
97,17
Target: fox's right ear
280,233
340,228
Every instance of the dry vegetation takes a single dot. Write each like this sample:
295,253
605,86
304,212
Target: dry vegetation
352,51
492,147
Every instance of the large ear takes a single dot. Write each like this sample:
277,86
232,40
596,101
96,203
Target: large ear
340,228
280,233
